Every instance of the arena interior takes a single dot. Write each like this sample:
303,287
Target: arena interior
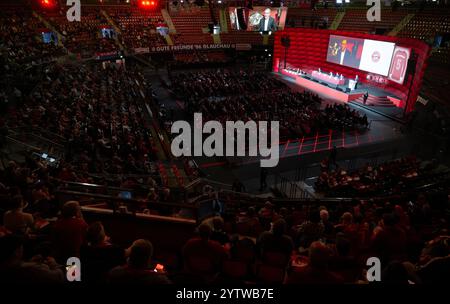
90,96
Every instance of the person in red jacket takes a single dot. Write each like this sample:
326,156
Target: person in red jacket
316,272
202,255
69,231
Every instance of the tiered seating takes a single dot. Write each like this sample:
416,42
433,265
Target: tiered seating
356,20
309,18
184,38
137,26
189,25
191,22
242,37
197,57
83,37
21,40
441,55
243,98
426,24
436,82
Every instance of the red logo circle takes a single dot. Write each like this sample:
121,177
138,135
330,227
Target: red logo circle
376,56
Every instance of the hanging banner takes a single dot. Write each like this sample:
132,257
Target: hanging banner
191,47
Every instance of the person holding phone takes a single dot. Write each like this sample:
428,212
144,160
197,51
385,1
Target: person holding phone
139,270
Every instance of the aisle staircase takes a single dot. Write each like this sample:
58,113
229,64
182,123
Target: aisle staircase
337,20
223,17
168,21
111,22
50,27
169,40
115,27
379,101
217,39
397,29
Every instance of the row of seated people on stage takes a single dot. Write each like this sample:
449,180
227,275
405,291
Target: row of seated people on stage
309,243
299,114
298,71
99,114
331,75
390,177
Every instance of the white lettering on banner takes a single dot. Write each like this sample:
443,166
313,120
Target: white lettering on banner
189,47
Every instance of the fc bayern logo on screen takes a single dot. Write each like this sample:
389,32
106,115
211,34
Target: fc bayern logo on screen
376,56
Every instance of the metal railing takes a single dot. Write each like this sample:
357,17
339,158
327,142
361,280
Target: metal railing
289,188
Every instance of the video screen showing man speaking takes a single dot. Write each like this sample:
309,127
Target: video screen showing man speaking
345,51
267,22
259,19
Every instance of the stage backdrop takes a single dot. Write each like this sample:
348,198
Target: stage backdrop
308,50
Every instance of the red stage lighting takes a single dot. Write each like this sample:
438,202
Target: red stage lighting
48,3
146,4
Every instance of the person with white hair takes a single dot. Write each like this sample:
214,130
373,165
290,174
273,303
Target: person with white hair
328,227
267,23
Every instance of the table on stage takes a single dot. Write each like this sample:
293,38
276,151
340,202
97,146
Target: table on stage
327,78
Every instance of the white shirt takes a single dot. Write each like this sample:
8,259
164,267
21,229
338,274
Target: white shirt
342,58
266,24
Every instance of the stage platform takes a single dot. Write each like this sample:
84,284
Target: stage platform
380,101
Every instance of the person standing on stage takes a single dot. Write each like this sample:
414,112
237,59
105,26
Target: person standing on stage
366,95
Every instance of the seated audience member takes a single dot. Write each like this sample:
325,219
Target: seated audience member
202,255
390,242
328,227
69,231
434,263
316,272
99,255
266,215
249,217
395,273
16,220
218,234
310,230
350,230
276,241
138,269
248,223
343,263
15,271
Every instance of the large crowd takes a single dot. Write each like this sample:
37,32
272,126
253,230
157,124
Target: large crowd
390,177
318,243
226,95
99,112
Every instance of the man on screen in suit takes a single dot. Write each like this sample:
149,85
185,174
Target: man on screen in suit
267,23
345,56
